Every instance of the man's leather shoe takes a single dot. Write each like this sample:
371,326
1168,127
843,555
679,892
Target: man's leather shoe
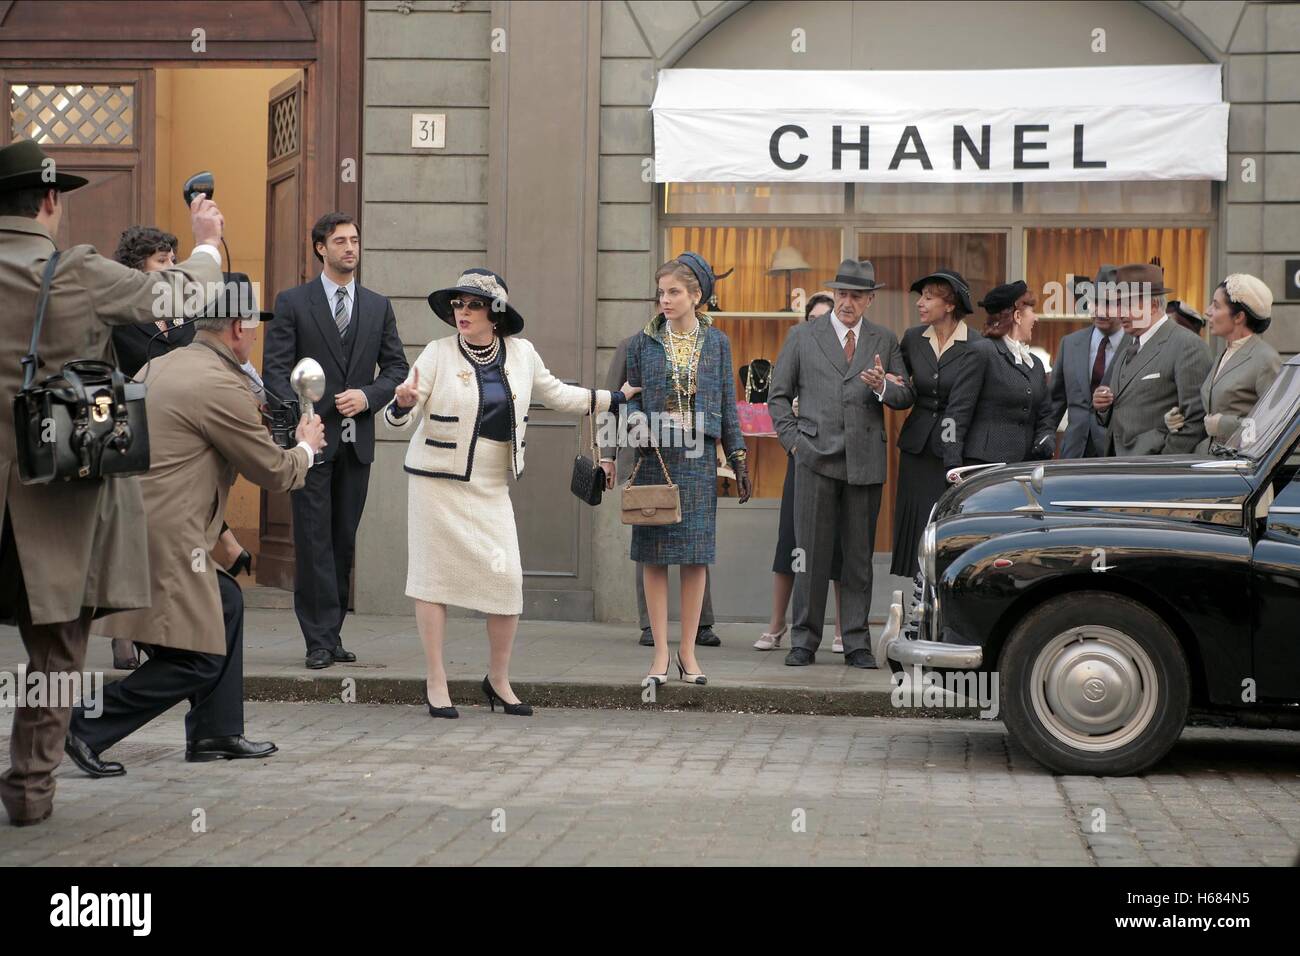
647,637
31,821
226,748
860,658
799,657
319,658
705,637
342,655
88,760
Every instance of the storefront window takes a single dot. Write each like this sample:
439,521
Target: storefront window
936,198
742,198
1186,197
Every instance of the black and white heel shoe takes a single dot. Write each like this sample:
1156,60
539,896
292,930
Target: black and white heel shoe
686,676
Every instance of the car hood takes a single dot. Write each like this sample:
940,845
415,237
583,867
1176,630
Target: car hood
1207,489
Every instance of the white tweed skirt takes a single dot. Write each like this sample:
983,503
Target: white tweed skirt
462,546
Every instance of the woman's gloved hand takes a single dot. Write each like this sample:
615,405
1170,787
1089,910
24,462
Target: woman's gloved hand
741,469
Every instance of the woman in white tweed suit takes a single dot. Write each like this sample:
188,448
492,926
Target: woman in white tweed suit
471,392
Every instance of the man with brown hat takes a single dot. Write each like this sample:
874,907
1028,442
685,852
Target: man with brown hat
69,550
1162,368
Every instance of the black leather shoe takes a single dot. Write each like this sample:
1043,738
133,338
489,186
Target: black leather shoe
705,637
319,658
860,658
227,748
647,637
799,657
88,760
342,655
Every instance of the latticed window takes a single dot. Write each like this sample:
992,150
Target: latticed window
68,114
283,134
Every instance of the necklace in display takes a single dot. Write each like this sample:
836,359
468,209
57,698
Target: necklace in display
482,354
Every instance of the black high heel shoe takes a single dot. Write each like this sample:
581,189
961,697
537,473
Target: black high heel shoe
242,563
451,713
518,710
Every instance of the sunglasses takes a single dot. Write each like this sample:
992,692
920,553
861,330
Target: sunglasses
474,305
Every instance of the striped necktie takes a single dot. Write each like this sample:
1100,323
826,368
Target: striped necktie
341,315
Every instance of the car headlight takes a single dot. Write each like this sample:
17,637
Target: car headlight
928,553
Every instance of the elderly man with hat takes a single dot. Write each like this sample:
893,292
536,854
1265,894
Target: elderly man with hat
1083,363
1241,309
70,550
844,370
1162,368
205,430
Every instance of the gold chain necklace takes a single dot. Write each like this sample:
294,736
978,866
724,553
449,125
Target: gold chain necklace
683,373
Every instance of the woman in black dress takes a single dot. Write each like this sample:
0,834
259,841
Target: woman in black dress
783,562
935,353
1000,405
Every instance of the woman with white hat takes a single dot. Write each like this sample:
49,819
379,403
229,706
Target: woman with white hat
471,393
1242,307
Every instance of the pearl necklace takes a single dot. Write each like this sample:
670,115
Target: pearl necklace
482,354
683,385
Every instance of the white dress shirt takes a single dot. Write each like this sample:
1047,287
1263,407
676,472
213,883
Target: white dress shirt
349,291
843,331
1094,343
1146,335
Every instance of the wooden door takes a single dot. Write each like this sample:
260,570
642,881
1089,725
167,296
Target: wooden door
285,265
96,123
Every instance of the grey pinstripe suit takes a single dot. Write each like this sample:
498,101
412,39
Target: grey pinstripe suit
839,446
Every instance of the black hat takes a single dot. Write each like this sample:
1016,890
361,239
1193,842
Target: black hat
23,165
954,279
237,300
1106,273
1003,297
703,274
485,284
854,274
1186,311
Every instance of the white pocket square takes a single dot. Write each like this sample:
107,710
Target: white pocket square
1151,376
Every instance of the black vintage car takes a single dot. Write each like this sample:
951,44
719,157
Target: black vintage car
1112,596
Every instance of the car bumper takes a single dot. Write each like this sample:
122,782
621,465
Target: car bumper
890,645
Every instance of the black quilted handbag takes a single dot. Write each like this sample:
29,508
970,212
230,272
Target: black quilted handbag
84,423
588,481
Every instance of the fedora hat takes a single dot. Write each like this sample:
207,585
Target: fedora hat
485,284
855,274
23,165
955,280
1140,276
236,300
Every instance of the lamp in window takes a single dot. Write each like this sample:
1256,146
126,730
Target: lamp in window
788,260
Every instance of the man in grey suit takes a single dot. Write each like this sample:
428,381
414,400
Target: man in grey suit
1084,362
614,459
1163,368
837,364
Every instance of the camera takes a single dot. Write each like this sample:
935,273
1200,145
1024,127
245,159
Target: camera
283,423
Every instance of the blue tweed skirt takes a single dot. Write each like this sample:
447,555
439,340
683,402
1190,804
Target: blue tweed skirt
691,540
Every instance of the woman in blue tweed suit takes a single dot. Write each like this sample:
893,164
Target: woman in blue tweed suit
688,403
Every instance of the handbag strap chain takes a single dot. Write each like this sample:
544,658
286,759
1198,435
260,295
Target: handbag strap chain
637,467
31,360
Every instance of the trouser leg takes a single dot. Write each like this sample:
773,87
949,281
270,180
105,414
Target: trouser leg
218,709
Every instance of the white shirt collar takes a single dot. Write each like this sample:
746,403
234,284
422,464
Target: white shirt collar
961,333
842,330
1019,351
1147,333
1114,337
331,288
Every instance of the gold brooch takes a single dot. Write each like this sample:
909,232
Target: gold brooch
465,377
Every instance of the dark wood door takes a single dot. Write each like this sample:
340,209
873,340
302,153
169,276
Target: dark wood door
96,123
284,270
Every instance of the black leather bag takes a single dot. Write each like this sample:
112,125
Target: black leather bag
588,481
85,423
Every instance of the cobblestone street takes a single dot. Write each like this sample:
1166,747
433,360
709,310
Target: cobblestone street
384,784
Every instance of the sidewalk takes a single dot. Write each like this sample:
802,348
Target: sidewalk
555,664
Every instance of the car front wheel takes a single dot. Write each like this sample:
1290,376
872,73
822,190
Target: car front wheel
1094,683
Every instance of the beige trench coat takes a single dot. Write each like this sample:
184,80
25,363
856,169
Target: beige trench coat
204,430
79,543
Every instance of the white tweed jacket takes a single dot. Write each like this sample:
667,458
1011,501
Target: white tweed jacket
450,408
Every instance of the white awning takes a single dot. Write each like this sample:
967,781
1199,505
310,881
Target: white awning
943,126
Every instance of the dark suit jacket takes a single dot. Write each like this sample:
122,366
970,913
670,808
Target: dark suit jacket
1071,388
304,327
1000,410
132,344
932,380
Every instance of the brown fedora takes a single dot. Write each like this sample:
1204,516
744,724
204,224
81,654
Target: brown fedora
23,165
1143,276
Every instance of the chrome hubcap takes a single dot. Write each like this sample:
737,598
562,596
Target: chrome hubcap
1094,688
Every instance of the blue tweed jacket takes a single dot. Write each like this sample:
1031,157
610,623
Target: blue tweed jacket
715,388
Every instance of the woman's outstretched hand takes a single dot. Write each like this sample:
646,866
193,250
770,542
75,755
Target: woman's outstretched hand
629,391
408,393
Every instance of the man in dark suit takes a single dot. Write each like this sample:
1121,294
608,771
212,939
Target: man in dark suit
611,458
1083,362
349,330
837,365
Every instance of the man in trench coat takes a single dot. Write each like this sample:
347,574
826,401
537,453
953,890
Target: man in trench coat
69,550
205,430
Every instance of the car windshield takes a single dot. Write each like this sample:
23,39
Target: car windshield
1270,417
